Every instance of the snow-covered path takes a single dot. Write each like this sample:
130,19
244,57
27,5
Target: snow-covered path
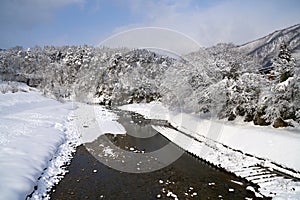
32,131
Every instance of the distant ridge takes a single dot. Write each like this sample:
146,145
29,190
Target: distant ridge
267,47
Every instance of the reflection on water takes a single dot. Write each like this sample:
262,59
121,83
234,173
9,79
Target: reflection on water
91,177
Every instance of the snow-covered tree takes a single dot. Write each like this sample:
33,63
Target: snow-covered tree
283,101
284,64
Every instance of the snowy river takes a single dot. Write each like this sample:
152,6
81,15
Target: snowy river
101,169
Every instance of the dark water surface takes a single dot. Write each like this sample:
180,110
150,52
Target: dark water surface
91,177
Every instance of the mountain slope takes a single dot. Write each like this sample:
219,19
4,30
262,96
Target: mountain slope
266,48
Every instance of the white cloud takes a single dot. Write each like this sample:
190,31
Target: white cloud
225,21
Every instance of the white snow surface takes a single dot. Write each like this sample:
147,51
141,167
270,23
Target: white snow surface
32,131
93,121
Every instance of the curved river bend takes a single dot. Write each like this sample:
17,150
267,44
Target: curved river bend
91,177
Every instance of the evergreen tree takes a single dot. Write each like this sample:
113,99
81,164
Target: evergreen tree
284,63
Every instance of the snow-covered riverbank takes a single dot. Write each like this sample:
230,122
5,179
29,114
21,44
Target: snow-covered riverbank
238,148
35,135
278,145
38,137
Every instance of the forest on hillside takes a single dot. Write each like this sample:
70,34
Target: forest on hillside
222,81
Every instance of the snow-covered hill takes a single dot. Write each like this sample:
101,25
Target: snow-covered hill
267,47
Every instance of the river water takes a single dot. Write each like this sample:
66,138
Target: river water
131,167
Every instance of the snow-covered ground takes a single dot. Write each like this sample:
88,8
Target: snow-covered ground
229,144
34,136
93,121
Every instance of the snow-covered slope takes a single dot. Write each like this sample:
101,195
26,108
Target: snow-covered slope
32,131
267,47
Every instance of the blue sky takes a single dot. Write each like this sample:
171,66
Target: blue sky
78,22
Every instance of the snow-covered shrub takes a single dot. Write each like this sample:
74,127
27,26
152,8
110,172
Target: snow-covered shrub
12,87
